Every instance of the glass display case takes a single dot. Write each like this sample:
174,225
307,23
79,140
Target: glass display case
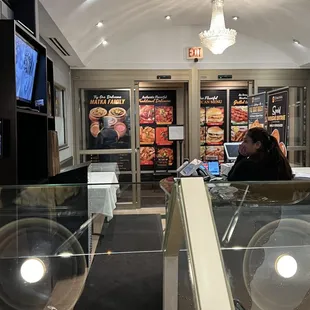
247,244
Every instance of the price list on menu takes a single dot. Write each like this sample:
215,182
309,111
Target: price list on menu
212,124
157,110
238,114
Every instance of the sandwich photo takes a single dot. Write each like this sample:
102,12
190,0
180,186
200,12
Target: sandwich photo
215,116
215,135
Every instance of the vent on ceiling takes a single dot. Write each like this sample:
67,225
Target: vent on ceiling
59,46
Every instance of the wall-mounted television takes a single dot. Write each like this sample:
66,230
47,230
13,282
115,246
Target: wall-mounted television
26,58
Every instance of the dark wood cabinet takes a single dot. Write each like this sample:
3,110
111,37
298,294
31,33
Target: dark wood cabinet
25,136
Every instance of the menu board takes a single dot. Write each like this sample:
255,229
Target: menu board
212,124
238,114
257,104
277,117
109,124
157,110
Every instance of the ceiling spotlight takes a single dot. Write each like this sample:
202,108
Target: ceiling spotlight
104,42
99,24
168,17
235,17
32,270
296,42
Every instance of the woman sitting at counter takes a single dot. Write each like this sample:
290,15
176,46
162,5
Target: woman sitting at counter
260,159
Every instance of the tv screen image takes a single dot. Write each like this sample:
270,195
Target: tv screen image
26,58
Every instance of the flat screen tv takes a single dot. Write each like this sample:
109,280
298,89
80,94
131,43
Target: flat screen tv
26,58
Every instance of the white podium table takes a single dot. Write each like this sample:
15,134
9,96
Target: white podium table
102,193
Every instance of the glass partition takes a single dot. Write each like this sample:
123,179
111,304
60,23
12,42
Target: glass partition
263,237
72,246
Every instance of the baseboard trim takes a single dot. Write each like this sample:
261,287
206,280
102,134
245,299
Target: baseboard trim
66,163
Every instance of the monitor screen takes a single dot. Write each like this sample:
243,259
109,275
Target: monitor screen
191,168
214,167
232,150
188,170
26,58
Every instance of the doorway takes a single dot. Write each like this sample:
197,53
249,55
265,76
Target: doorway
159,105
164,103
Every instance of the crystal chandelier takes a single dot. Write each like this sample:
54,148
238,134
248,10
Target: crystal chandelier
218,38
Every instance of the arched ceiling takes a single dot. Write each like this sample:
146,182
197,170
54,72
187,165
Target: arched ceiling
268,25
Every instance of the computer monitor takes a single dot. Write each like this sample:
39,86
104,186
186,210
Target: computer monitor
232,150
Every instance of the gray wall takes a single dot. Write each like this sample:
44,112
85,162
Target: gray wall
62,77
5,11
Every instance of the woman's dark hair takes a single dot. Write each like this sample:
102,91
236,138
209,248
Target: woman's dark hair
270,147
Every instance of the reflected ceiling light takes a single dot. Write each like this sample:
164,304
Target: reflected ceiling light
286,266
218,38
32,270
104,42
235,17
168,17
66,255
99,24
296,42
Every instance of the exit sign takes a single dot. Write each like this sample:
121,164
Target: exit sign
195,52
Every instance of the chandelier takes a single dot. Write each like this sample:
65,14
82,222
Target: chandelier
218,38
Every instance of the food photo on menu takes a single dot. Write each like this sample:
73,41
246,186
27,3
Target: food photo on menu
276,134
111,123
162,136
215,151
203,131
215,135
167,153
147,135
202,116
147,114
239,115
256,124
202,153
164,115
215,116
238,133
147,155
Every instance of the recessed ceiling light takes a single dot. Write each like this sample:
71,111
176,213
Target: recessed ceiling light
296,42
104,42
235,17
168,17
99,24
